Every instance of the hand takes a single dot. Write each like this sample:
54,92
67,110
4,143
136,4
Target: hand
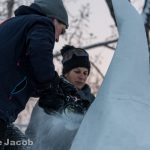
49,87
51,95
51,102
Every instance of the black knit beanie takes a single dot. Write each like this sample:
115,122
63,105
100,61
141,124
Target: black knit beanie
54,9
74,57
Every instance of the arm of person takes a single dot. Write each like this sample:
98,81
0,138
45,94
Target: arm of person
40,41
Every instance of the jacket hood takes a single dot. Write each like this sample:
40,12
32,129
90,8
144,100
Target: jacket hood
26,10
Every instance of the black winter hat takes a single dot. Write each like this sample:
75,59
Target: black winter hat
74,57
54,9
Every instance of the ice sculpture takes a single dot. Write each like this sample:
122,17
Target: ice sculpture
119,118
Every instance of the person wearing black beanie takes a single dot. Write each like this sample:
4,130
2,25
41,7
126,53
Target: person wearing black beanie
73,58
76,69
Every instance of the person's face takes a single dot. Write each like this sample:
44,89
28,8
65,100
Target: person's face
59,29
77,77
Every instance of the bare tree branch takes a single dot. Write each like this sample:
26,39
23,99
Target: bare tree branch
112,48
110,6
98,70
94,46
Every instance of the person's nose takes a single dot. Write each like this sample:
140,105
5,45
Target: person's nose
82,77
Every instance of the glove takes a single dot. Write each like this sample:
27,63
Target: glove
49,87
67,87
51,95
51,102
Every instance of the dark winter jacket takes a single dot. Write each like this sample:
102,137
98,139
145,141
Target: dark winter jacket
26,59
85,93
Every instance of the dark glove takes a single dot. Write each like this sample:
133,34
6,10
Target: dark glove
51,95
51,102
49,87
67,87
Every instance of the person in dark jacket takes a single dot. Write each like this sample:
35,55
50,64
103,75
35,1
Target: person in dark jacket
76,69
26,58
